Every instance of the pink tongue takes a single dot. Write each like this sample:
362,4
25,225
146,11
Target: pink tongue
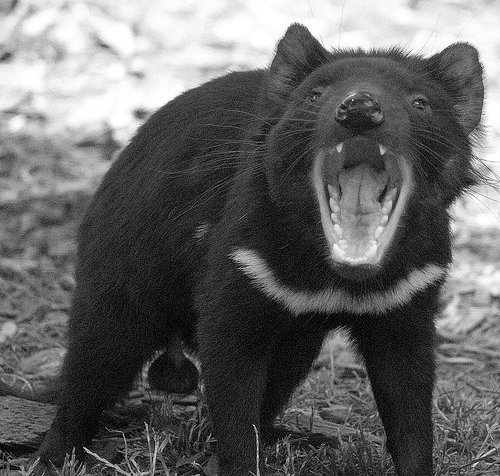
361,187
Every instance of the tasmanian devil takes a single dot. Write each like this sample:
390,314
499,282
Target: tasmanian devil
251,216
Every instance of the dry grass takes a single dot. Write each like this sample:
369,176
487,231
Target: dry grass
467,440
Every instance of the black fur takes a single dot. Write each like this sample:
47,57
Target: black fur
228,166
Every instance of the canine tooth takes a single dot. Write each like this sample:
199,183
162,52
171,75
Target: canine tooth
378,232
337,229
337,252
383,149
333,193
339,147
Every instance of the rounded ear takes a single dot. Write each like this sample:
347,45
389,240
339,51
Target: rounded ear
298,54
459,68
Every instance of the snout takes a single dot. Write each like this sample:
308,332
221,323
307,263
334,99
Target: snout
359,111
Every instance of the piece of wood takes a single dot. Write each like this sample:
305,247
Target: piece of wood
23,422
302,420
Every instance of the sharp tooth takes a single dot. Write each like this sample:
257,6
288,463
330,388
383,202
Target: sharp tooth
334,205
334,217
390,195
337,252
333,192
378,232
339,147
338,230
372,252
383,149
387,207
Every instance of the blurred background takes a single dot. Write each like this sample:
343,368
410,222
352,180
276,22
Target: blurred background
78,76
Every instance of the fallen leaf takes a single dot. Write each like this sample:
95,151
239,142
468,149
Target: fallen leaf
44,363
7,330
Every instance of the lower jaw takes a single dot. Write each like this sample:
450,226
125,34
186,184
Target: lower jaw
359,272
368,265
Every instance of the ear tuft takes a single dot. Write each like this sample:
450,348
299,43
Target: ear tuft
459,68
298,54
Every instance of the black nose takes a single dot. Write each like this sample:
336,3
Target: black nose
359,111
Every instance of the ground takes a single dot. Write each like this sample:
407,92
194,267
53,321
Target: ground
77,77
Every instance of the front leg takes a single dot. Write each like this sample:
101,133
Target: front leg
234,386
399,354
235,334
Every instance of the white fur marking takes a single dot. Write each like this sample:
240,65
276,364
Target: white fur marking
334,300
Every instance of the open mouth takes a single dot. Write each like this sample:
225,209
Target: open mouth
362,188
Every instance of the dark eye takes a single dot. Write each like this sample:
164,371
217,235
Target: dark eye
420,102
315,94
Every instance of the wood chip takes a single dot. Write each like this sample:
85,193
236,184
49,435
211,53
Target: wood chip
23,421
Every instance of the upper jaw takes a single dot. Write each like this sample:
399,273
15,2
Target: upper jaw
362,188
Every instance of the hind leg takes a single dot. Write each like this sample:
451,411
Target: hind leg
109,341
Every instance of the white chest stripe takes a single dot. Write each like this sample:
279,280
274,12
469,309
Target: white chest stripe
334,300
